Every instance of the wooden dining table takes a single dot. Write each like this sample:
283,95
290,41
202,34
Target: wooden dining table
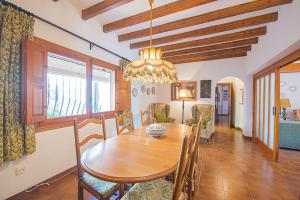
135,156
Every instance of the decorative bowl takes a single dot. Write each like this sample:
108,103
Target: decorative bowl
156,130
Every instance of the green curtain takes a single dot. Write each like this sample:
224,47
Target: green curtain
16,139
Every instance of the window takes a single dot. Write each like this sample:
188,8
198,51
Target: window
66,86
103,89
73,85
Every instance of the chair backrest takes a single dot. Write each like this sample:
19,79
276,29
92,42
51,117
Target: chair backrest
124,122
157,109
146,118
194,157
204,110
77,127
183,166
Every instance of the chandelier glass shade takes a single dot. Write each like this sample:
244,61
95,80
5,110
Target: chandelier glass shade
150,68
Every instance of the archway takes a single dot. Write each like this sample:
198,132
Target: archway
230,102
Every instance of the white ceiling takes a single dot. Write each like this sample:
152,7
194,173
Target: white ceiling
139,6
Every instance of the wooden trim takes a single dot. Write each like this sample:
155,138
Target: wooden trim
208,17
252,21
254,110
227,45
102,7
275,67
58,176
277,106
217,39
259,110
264,109
62,122
269,109
211,53
158,12
291,68
247,137
265,148
205,58
280,63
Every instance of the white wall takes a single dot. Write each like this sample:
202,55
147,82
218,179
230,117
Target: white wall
291,79
209,70
55,149
141,101
283,37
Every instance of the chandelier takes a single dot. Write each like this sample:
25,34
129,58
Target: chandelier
150,68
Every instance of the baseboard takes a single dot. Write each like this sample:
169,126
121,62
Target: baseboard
265,148
247,137
21,194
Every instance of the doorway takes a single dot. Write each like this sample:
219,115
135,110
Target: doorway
230,103
224,101
268,108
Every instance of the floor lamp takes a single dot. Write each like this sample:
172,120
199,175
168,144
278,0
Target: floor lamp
183,95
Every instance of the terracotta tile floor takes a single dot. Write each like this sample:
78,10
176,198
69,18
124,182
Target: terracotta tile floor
231,168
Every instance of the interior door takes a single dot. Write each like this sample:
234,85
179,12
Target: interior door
266,121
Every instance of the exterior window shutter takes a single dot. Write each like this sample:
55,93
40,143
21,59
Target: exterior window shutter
123,94
35,69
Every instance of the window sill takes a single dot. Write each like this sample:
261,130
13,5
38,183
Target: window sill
57,123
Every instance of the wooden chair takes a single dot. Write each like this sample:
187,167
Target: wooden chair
146,118
124,123
102,190
162,189
191,176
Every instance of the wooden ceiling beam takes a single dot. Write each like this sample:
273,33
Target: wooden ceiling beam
211,53
217,39
102,7
252,21
161,11
227,45
206,17
206,58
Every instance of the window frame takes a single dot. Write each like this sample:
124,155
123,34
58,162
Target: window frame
59,122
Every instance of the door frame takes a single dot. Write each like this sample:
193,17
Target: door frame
275,67
230,102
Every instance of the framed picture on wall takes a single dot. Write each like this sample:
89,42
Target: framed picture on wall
205,89
187,88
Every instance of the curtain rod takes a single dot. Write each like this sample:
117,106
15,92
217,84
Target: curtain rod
92,44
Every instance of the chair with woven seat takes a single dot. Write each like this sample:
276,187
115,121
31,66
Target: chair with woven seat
161,189
160,113
146,118
124,122
102,190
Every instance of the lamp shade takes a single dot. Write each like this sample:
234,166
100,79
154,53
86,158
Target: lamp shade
285,103
184,94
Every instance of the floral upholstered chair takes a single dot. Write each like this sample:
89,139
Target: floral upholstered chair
160,113
208,114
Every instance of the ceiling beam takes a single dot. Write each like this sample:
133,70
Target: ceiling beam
207,17
205,58
252,21
161,11
217,39
102,7
227,45
211,53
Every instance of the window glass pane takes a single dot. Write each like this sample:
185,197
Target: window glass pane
103,89
66,86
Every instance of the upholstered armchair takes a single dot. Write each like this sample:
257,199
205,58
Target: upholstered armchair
160,113
208,114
